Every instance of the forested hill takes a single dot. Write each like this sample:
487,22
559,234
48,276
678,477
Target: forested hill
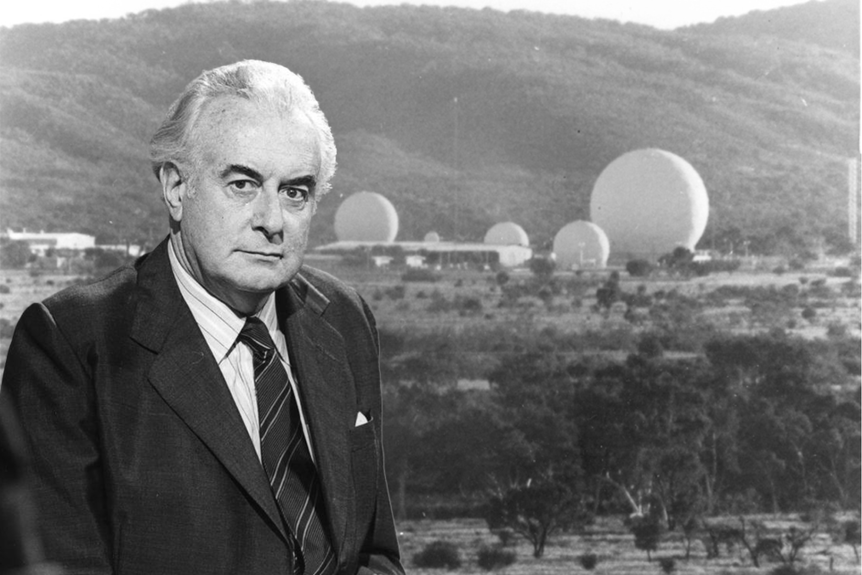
463,118
833,24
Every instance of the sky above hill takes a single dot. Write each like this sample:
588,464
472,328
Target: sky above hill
665,14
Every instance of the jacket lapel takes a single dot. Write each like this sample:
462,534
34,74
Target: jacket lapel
327,393
187,377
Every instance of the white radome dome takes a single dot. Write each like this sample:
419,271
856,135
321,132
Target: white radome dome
366,217
507,234
650,202
581,244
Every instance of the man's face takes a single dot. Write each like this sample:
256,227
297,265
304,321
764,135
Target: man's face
245,212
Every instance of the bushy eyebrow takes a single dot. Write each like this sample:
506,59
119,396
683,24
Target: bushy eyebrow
308,181
240,169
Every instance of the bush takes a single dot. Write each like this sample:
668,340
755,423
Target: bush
439,303
647,532
506,536
490,558
469,305
588,561
396,292
542,267
809,313
851,289
5,289
7,328
796,264
438,555
650,345
667,564
723,265
836,329
638,268
419,275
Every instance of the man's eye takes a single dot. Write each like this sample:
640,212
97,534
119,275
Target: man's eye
296,194
243,186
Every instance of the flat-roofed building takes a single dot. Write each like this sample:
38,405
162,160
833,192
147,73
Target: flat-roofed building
39,243
439,253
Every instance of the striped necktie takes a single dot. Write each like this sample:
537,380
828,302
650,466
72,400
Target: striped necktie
286,457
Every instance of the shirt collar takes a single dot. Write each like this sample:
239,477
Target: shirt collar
218,322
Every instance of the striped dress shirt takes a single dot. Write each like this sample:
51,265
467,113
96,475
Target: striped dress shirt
220,327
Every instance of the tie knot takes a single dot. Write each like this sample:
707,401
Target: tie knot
255,335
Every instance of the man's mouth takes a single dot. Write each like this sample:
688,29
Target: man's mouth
262,254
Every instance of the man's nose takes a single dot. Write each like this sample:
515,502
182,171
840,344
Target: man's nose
267,212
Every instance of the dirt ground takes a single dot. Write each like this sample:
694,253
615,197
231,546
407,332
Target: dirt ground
614,546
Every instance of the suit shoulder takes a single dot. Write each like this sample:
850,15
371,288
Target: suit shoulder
332,288
85,302
333,299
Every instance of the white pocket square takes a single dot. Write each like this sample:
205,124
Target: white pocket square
360,419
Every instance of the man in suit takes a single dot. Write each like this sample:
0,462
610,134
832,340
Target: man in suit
215,407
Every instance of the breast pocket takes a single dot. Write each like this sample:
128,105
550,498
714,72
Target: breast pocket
365,454
363,436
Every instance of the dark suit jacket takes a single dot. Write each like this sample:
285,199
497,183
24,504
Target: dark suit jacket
142,463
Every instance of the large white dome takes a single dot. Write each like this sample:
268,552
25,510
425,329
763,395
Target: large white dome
581,244
366,217
650,202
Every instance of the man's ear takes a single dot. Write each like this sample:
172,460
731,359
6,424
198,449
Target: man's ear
174,189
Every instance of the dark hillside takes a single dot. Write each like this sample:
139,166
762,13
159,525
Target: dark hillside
462,118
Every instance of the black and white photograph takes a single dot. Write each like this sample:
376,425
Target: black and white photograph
388,287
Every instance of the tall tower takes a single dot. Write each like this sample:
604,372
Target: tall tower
853,189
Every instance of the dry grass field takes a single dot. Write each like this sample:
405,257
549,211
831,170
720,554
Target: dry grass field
570,311
614,546
837,310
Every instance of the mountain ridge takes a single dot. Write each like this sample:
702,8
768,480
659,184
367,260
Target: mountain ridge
462,118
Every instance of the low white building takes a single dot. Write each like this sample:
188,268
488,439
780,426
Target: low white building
133,250
441,253
41,242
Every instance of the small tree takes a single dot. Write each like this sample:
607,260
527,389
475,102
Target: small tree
691,530
542,268
490,558
647,530
14,254
638,268
609,293
852,536
536,511
679,260
438,555
667,564
796,539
